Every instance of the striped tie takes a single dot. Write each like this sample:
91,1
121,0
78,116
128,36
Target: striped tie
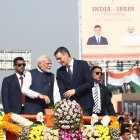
95,108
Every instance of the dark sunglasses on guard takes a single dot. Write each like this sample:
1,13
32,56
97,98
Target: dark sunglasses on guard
19,65
97,73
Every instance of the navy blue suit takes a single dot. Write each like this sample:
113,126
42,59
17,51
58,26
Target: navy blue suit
41,83
93,41
106,104
81,82
11,94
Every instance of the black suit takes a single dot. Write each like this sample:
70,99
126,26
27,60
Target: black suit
11,94
106,104
93,41
81,82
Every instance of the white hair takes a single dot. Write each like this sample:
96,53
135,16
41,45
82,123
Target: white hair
42,57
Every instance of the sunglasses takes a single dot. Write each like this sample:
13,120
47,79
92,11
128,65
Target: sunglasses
19,65
97,73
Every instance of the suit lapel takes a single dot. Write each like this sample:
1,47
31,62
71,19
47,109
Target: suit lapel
65,74
16,81
101,93
75,68
94,38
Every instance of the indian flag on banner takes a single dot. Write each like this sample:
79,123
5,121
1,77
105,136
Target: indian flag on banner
130,78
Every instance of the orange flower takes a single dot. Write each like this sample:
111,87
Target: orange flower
115,125
114,122
113,119
12,128
7,117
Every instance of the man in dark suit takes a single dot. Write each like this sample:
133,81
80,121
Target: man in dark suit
11,88
38,87
101,95
97,39
74,80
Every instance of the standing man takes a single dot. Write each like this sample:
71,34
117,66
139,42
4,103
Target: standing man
97,39
101,95
11,88
74,80
38,87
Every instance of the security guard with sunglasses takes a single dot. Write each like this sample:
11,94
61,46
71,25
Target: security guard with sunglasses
12,99
101,95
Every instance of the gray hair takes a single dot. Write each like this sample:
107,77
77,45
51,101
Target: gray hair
42,57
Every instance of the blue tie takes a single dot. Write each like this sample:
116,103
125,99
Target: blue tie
98,41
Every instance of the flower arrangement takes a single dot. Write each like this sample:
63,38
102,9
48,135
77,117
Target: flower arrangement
88,132
105,120
2,133
35,132
114,122
97,132
114,133
12,128
68,120
103,132
67,114
20,120
50,134
7,117
68,117
94,119
40,117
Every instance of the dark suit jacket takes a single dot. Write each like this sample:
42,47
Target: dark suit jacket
81,82
93,41
11,94
106,104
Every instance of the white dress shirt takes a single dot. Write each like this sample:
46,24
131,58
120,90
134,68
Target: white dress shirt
98,39
27,84
131,39
18,76
71,65
32,94
99,96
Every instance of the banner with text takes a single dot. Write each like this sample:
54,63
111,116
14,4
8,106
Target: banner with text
110,30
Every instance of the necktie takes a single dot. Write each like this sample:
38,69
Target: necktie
98,41
21,80
95,108
69,72
23,96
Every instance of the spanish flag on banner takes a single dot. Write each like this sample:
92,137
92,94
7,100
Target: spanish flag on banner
130,78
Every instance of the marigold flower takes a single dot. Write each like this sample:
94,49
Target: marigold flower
12,128
7,117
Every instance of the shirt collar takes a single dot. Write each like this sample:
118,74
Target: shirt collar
97,37
39,70
71,63
18,75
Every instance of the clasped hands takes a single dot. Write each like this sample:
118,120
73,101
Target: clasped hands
69,93
44,97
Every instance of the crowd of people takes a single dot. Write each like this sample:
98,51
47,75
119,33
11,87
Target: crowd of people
129,128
